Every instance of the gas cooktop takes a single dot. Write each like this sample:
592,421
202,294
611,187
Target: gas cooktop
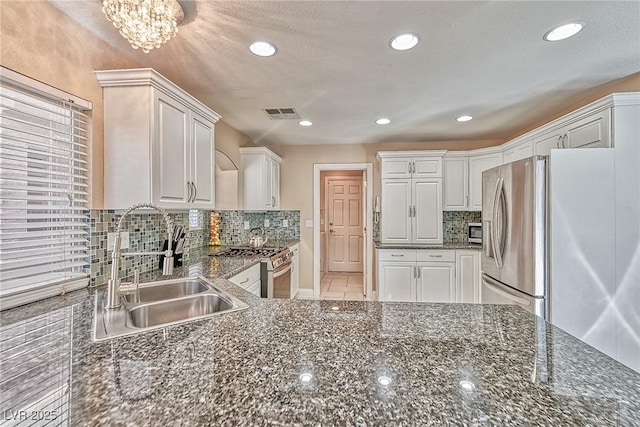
248,252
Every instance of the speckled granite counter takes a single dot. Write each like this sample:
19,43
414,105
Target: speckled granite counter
445,245
368,363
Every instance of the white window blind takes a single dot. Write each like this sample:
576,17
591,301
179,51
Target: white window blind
44,225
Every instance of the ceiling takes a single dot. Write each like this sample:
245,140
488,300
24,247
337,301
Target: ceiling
334,65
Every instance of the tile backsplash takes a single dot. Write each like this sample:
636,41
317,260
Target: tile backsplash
147,232
454,225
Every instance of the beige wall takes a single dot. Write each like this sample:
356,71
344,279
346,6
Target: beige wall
41,42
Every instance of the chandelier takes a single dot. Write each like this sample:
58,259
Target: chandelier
146,24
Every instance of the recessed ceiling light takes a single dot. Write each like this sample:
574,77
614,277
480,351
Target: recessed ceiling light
404,41
564,31
383,121
464,118
262,49
305,123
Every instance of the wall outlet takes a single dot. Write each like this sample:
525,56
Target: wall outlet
266,222
308,223
246,225
285,222
124,240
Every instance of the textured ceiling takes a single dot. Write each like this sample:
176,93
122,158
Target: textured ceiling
486,59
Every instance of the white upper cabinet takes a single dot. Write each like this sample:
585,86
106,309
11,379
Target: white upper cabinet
547,141
455,183
411,164
518,151
477,165
158,143
592,130
260,178
411,197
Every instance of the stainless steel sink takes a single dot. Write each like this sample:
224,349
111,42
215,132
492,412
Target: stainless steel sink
168,289
190,307
160,304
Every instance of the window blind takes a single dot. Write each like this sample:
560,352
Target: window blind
44,189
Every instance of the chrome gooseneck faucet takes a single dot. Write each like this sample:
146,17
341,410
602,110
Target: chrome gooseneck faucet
114,286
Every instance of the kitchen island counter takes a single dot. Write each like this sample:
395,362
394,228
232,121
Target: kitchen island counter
299,362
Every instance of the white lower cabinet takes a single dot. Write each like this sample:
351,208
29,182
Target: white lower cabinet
295,269
468,276
249,279
428,275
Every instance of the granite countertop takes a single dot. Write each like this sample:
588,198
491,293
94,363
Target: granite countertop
367,364
445,245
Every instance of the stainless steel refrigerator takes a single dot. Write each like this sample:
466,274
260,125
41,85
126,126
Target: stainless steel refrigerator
515,235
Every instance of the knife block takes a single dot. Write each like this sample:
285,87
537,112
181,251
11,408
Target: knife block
177,258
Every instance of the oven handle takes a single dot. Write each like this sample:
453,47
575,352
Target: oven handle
282,270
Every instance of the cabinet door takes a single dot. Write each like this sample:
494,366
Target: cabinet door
171,157
395,168
426,222
395,223
397,281
428,167
455,184
275,183
523,150
295,275
467,276
590,132
543,144
477,165
267,183
435,282
202,163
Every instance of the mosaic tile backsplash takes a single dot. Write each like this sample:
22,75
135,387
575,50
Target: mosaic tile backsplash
233,233
147,232
454,225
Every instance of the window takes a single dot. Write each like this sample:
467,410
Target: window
44,221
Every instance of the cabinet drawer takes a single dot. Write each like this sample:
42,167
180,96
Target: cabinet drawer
436,256
246,278
397,255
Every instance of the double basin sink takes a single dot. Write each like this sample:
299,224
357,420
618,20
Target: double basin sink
162,303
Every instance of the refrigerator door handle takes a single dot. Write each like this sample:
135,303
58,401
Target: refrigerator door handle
491,284
495,242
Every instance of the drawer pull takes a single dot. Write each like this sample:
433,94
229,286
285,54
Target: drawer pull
396,255
435,256
245,281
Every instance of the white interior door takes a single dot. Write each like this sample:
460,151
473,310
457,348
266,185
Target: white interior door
345,225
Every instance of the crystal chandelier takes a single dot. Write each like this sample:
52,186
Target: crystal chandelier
144,23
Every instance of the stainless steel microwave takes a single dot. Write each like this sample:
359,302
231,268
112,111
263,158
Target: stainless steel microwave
475,232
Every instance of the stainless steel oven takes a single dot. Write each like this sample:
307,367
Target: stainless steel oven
281,281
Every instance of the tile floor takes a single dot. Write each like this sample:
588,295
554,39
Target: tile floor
341,286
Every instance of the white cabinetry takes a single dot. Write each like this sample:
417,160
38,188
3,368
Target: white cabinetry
249,279
592,130
467,276
455,183
397,281
477,165
158,143
411,208
518,151
260,178
436,276
295,269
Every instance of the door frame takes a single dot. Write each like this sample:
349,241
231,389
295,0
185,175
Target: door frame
367,169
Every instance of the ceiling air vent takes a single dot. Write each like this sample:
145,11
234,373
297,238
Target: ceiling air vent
281,113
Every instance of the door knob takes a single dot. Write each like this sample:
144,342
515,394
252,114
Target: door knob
330,231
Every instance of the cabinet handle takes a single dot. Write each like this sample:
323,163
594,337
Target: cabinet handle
558,142
413,167
435,256
466,201
273,201
564,138
244,281
409,211
397,254
414,210
195,191
414,271
189,191
419,272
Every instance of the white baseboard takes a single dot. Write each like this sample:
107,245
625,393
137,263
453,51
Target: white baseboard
305,294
